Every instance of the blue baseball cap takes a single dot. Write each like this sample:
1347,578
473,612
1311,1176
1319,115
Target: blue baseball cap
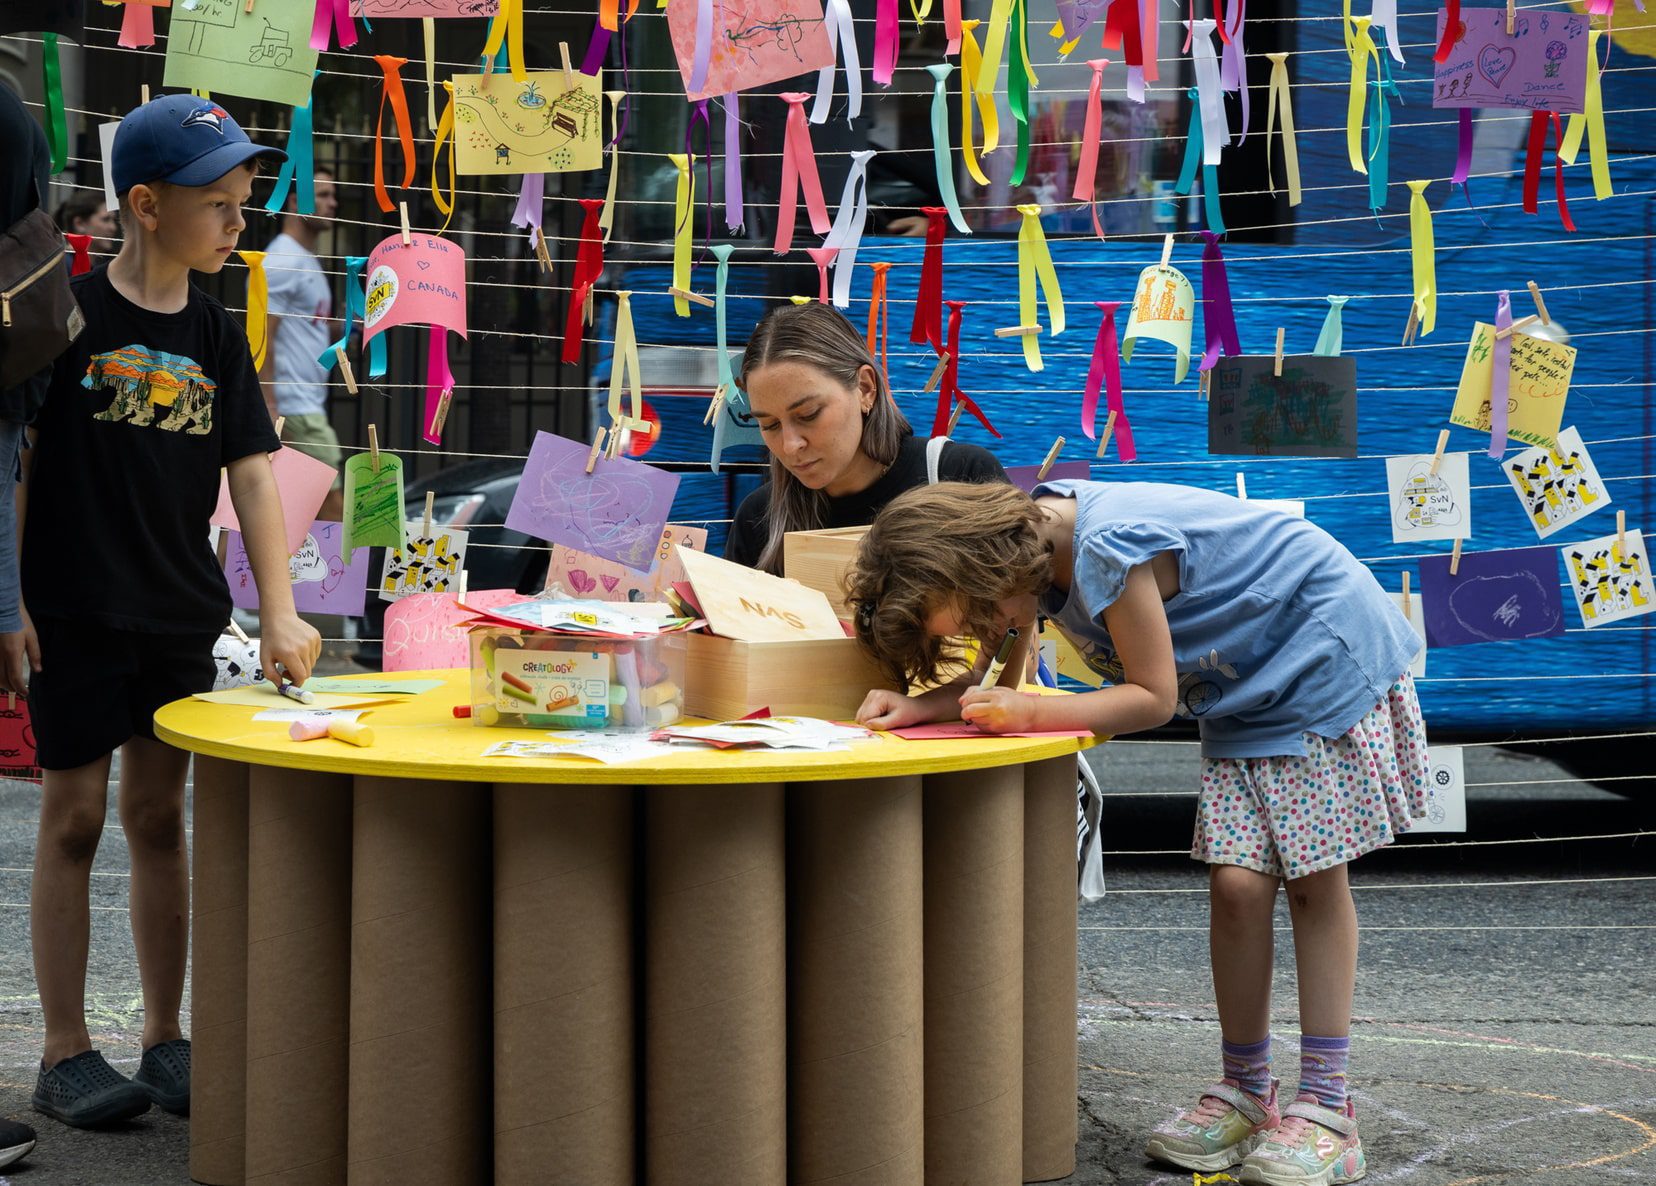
180,139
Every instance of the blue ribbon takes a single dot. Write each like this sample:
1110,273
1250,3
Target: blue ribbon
1379,133
733,424
356,305
300,163
1210,173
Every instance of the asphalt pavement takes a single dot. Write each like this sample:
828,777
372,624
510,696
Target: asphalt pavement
1506,1001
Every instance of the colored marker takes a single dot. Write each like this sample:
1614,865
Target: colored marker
294,692
998,664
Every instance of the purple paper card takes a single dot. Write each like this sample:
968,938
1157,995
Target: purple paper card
323,583
1496,597
1076,15
1023,476
1541,67
616,512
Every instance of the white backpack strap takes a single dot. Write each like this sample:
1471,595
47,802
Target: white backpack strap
934,454
1089,809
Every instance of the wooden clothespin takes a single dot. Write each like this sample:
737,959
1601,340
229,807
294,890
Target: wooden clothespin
1167,250
613,449
714,404
373,446
240,634
143,92
954,418
1277,366
937,372
1052,455
439,415
280,421
568,70
1437,456
461,595
1104,439
1204,384
586,309
541,253
1540,305
1017,331
425,525
597,444
249,7
1454,558
1621,533
694,298
1520,324
1408,602
1242,485
408,238
1413,326
345,371
1512,15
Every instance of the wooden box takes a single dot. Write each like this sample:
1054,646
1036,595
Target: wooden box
819,560
725,679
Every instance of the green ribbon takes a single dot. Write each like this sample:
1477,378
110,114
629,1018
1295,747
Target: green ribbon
1017,86
1332,337
57,128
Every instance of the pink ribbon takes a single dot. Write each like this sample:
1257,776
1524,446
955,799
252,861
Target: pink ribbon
1105,372
439,382
799,171
338,14
138,26
735,213
1500,381
1086,172
822,257
1218,317
885,42
951,26
1149,36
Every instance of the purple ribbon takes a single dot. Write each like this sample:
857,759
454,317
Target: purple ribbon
1500,381
704,46
597,50
735,212
530,199
1233,68
1218,318
698,111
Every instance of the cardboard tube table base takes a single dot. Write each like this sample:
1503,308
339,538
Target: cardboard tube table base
855,1040
564,1051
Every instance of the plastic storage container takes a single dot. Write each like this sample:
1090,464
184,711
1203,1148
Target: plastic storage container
527,679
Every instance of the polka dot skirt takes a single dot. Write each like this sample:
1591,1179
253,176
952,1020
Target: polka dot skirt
1291,816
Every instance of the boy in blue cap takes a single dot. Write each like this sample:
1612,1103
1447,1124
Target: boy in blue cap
122,591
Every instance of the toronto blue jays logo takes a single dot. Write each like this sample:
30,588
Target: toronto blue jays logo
212,116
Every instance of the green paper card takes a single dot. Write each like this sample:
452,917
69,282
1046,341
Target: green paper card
350,684
374,503
218,45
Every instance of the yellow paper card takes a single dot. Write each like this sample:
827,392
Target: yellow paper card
1540,381
533,126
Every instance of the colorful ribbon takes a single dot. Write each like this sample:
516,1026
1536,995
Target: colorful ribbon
842,43
733,422
439,384
624,368
735,208
1451,31
885,42
1210,173
607,219
589,265
258,305
300,165
701,55
445,133
1020,76
941,160
337,15
822,257
391,90
1423,248
1536,149
1281,99
684,207
507,28
1105,372
799,171
928,304
1379,133
1383,15
1233,70
849,222
57,126
81,245
1500,379
1218,315
1086,171
137,26
1035,261
428,30
356,305
1592,122
1463,149
971,63
952,25
1209,93
530,204
949,392
1122,31
879,317
1331,338
1360,46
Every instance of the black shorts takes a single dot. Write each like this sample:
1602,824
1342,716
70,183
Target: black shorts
98,686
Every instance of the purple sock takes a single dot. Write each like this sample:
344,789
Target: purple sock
1323,1069
1249,1065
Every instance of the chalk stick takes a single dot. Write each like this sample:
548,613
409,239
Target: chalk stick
662,714
515,681
562,702
486,714
659,694
517,693
353,732
308,730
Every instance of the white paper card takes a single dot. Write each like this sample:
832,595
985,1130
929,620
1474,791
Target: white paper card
1424,505
1610,578
1556,486
1446,791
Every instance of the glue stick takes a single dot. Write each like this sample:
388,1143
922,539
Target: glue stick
353,732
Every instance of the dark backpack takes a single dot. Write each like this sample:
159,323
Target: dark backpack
38,314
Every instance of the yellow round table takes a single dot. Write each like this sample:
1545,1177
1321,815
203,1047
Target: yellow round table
414,964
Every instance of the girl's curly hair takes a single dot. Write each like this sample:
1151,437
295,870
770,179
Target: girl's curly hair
969,544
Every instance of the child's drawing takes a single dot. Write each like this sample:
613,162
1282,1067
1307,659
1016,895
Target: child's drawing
1557,485
429,564
235,663
326,578
373,501
429,629
1310,410
1538,382
1487,68
1164,308
423,8
262,52
534,126
574,574
1445,791
1425,505
1495,597
616,512
1610,578
755,43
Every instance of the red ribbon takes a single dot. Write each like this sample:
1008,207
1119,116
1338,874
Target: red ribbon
1105,372
822,257
949,392
83,253
799,172
1121,31
1086,171
928,305
589,264
1537,149
1451,31
879,315
392,90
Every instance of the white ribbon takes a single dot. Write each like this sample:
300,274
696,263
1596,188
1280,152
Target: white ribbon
837,20
1210,92
1384,16
847,231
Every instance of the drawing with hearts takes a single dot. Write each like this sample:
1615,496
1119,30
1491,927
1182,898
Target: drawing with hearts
1488,68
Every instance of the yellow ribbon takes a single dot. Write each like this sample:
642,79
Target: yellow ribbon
445,132
1360,45
994,46
1290,154
606,220
507,26
971,61
1590,121
1425,266
1034,259
625,366
258,305
430,28
921,10
684,208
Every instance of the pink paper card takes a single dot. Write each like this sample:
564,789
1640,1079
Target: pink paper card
324,580
616,512
961,731
755,42
1542,66
422,8
421,284
581,575
428,630
302,482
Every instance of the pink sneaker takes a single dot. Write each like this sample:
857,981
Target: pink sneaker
1314,1146
1226,1125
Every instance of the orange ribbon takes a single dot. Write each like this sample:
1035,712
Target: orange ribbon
879,316
392,90
609,13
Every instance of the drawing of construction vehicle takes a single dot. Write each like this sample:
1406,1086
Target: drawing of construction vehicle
272,47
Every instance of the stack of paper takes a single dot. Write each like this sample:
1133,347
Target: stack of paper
609,750
789,733
602,619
